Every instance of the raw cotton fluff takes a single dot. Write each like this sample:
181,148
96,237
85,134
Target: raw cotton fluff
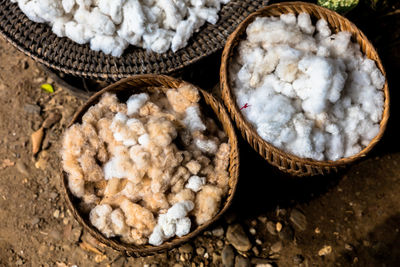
145,169
111,25
305,90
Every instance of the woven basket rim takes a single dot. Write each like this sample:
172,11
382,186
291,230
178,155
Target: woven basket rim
221,115
37,41
256,141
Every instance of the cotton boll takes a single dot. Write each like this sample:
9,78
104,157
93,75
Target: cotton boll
184,195
157,237
118,222
100,218
132,27
108,44
207,203
289,18
59,26
112,8
161,131
92,171
77,32
122,167
135,102
193,120
206,145
195,183
168,226
138,217
208,14
179,210
77,185
335,150
377,78
183,227
305,24
322,29
155,201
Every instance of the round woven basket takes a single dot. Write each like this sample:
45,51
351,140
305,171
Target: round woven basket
284,161
148,83
37,41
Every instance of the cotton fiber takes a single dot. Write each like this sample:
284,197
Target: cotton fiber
305,90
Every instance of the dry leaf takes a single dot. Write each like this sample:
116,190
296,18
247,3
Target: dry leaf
88,247
6,163
37,138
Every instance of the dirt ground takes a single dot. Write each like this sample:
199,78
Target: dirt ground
348,219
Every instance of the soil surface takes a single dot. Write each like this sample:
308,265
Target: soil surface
348,219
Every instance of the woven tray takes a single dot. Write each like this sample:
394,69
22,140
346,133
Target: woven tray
37,41
284,161
124,89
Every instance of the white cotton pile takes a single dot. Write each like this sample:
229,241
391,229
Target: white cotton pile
305,90
111,25
195,183
174,222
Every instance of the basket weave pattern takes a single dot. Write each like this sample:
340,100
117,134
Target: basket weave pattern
37,41
284,161
128,87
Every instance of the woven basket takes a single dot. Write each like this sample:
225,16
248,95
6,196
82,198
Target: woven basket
124,89
284,161
37,41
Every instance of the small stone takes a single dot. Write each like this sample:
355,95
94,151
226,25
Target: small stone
218,232
298,219
65,221
178,265
348,247
252,231
298,259
276,247
182,257
258,242
206,256
56,214
253,223
200,251
21,167
241,261
228,256
186,248
264,265
19,262
278,227
262,219
287,233
317,230
35,221
238,238
271,228
255,250
32,109
76,234
53,195
325,251
220,243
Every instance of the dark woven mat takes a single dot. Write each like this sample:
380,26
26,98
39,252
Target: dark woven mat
38,41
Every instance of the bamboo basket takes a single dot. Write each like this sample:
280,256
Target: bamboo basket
146,83
286,162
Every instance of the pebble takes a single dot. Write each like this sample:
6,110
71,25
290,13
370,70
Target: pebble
76,234
255,250
32,109
262,219
252,231
298,219
264,265
220,243
186,248
241,261
21,167
218,232
228,256
53,195
56,214
271,228
287,233
325,251
278,227
258,242
200,251
276,247
35,221
238,238
216,259
178,265
19,262
298,259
